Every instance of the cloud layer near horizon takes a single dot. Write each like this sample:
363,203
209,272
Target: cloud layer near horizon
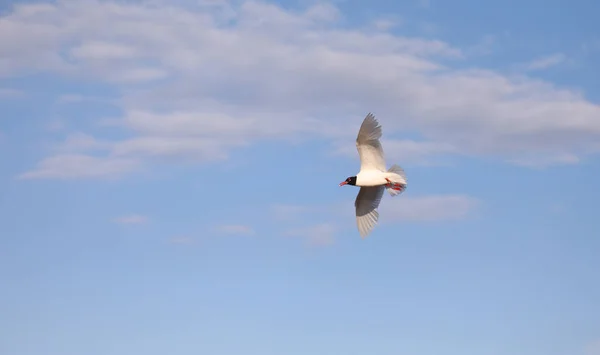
196,81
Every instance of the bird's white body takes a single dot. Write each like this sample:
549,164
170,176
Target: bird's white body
377,178
373,177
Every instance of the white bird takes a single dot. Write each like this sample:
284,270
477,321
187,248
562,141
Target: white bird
372,178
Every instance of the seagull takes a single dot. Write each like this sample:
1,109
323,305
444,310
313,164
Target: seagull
372,178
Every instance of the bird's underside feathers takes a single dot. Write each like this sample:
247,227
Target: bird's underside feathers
366,204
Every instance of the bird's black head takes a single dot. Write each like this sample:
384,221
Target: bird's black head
349,181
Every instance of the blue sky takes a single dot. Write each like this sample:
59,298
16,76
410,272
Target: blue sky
170,177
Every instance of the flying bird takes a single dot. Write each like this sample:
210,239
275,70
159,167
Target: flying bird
372,178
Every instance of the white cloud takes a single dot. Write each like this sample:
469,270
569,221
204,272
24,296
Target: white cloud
132,219
220,76
547,62
318,235
235,229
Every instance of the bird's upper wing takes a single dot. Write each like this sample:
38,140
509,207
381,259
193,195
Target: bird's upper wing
368,145
366,204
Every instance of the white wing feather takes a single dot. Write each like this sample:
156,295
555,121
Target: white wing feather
366,204
368,145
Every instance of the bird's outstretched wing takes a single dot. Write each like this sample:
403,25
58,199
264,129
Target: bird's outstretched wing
368,145
366,204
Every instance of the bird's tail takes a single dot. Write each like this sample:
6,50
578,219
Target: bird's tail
398,178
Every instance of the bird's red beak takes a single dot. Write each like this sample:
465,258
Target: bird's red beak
343,183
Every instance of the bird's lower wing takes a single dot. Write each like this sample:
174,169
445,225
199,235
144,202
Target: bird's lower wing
368,145
366,204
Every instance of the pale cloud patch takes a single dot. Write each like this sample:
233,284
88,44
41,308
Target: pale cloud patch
70,166
180,148
593,348
78,98
318,235
384,24
82,142
426,4
323,12
288,212
547,62
590,46
485,46
538,162
132,219
56,125
436,208
235,229
102,50
138,75
557,208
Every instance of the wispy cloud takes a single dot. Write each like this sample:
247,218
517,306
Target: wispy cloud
537,162
131,219
424,3
590,46
78,98
235,229
485,46
547,62
288,212
72,166
318,235
226,63
436,208
386,24
182,240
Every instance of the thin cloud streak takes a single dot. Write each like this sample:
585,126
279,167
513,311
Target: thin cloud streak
319,235
132,219
547,62
235,229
